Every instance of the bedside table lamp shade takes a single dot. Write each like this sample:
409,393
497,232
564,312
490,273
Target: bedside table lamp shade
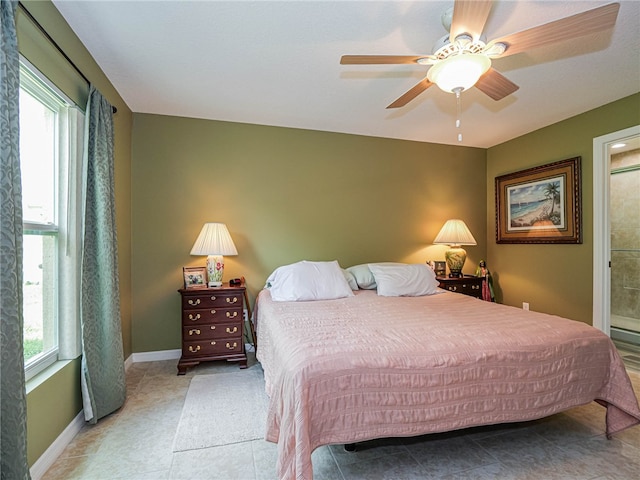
215,242
455,233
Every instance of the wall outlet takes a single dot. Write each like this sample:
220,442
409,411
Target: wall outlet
525,305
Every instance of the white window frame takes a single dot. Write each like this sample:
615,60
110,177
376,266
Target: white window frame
68,215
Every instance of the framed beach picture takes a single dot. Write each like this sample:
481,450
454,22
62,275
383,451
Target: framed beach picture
540,205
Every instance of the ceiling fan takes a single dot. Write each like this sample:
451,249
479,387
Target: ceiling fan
462,59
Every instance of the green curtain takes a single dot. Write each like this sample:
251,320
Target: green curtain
13,397
103,376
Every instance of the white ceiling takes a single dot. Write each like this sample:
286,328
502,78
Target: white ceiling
277,63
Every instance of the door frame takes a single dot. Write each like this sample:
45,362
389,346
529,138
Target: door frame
602,226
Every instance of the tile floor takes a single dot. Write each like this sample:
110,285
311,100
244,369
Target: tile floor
136,444
630,354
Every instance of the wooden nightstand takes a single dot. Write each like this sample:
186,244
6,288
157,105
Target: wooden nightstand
212,325
467,285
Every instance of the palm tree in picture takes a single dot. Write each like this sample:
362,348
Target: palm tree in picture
551,192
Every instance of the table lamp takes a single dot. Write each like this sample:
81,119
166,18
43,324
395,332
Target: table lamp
455,233
215,242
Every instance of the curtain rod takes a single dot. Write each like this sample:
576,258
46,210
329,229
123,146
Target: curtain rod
57,47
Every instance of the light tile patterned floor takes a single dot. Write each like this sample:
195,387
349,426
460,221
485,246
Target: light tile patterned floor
136,444
630,354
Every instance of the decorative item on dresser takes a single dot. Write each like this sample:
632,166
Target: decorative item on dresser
214,241
487,282
213,325
194,277
455,233
467,285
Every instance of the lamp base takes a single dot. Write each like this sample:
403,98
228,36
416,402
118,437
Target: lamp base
455,257
215,269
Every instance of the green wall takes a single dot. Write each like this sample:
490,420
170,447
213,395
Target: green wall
53,403
285,195
554,279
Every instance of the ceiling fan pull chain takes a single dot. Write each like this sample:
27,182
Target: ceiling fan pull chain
458,110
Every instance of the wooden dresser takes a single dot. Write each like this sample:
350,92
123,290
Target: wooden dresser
212,326
467,285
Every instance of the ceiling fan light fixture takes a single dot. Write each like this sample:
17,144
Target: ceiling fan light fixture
459,71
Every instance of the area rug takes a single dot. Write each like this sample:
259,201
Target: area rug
221,409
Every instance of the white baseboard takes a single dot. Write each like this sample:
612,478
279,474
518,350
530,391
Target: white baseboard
156,356
51,454
128,362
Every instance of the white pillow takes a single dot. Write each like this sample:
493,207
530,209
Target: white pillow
351,280
404,280
364,277
306,280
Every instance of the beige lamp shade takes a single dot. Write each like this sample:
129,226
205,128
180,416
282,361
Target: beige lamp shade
455,233
215,242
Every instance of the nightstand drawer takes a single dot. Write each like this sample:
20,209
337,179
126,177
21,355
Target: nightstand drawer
211,300
213,347
468,285
466,288
204,332
210,315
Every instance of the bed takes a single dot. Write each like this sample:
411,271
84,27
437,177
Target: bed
374,364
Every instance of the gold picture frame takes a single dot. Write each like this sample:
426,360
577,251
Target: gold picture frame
194,277
540,204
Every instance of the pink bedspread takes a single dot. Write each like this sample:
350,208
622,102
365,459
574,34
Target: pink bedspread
365,367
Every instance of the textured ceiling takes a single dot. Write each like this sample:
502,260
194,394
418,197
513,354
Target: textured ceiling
277,63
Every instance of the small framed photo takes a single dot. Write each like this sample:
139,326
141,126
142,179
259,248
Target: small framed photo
440,267
195,277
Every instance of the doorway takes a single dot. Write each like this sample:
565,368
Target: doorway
624,217
616,293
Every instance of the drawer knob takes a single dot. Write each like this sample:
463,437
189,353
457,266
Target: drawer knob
213,297
213,312
232,346
235,329
194,317
194,350
232,315
213,327
194,330
232,300
194,302
213,342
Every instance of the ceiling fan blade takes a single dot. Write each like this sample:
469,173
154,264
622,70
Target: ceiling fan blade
577,25
380,59
469,16
496,85
411,94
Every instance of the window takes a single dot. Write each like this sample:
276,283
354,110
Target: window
49,128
